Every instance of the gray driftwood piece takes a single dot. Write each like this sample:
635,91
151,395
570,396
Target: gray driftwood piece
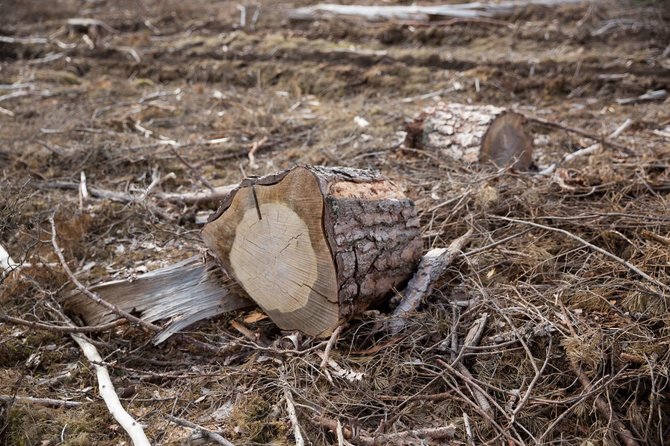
184,293
433,264
420,13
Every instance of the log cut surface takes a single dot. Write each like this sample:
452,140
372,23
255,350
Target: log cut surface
313,246
506,142
279,257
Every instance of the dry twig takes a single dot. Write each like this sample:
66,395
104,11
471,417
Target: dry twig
215,437
624,434
49,402
588,150
435,433
290,408
329,346
62,328
606,253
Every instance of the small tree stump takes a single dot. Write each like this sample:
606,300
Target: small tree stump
313,246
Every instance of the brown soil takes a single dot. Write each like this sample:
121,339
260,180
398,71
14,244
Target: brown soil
105,101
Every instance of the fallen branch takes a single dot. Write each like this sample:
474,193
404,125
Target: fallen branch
588,150
215,195
434,433
654,95
108,394
603,407
329,347
419,13
61,328
36,41
193,170
625,435
85,22
290,408
206,432
482,398
49,402
473,337
576,131
252,152
472,340
432,266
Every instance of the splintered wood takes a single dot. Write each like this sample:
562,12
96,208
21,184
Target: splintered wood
313,246
183,293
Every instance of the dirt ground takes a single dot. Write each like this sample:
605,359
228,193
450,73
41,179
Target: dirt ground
175,94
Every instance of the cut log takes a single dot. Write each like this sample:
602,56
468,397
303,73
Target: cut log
313,246
471,133
183,293
420,13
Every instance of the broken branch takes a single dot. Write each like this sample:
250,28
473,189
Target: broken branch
108,394
215,437
432,266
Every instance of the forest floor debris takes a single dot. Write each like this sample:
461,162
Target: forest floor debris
156,100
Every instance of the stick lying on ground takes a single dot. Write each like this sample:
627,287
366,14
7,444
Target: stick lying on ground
201,197
217,438
405,437
432,266
108,394
588,150
48,402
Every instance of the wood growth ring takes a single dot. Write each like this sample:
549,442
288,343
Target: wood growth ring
275,250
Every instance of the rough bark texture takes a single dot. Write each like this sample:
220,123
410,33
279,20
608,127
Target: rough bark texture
313,246
473,132
373,231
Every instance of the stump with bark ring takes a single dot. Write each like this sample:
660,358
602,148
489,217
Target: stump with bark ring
312,245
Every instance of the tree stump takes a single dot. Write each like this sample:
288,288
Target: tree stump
313,246
471,133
